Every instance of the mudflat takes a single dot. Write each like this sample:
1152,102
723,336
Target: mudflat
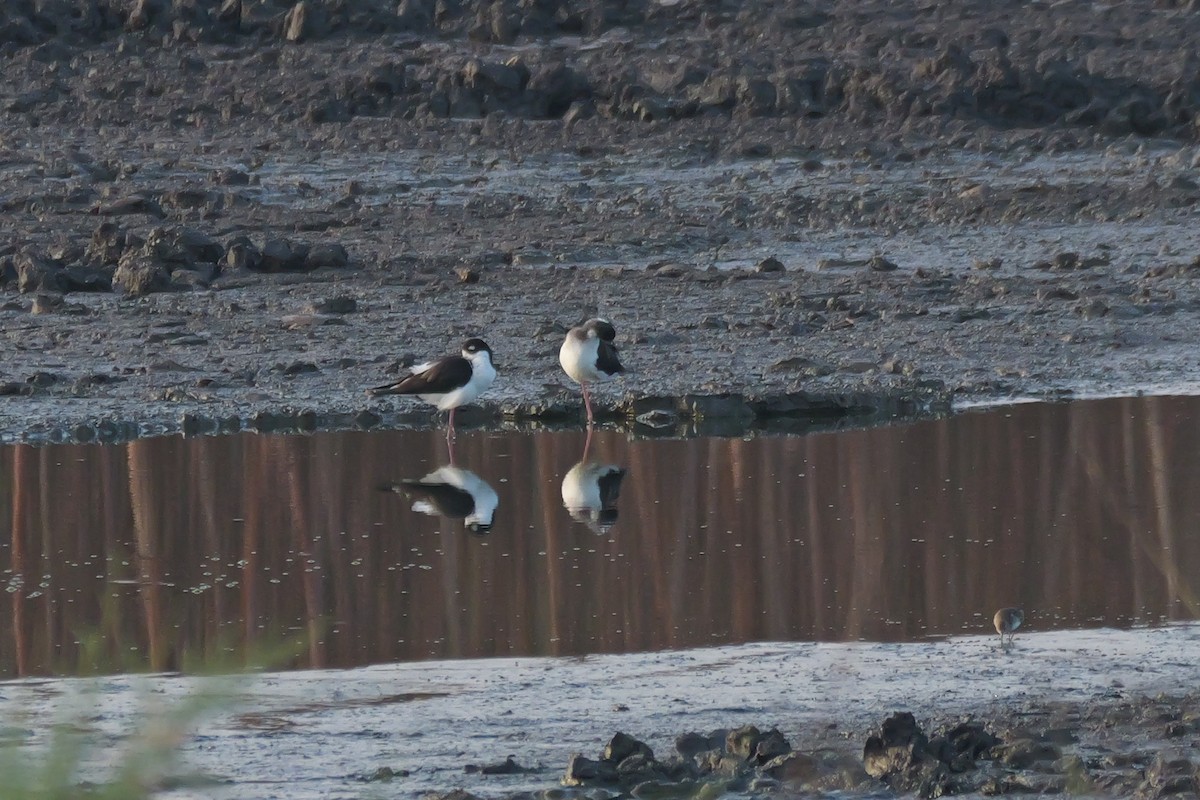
216,214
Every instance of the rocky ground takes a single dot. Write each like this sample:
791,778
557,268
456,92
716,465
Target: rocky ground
217,215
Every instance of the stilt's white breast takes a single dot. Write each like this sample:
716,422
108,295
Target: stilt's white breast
482,376
578,359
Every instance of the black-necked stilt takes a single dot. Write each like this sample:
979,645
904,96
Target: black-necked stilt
588,355
449,382
1007,620
589,493
454,493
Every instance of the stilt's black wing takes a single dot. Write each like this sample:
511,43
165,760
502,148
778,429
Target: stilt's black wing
607,360
610,487
449,501
445,375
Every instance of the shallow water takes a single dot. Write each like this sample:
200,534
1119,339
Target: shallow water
173,548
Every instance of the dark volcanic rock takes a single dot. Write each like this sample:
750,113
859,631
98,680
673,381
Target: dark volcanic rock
326,255
36,274
582,771
622,746
689,745
1168,777
899,755
242,254
109,242
183,246
281,255
139,273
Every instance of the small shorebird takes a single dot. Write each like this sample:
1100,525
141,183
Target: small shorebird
449,382
1007,620
590,492
453,493
588,355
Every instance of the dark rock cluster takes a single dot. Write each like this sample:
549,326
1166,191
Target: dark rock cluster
962,757
166,258
740,759
874,63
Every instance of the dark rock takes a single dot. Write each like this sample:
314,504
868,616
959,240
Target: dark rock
878,263
230,13
491,77
200,278
720,763
47,303
282,255
326,255
138,274
182,246
671,271
582,771
342,304
42,379
109,242
555,90
622,746
772,745
415,15
133,204
296,24
35,274
754,96
803,366
242,254
689,745
466,275
792,768
770,264
741,742
666,790
14,389
1170,776
638,768
1024,753
899,755
579,110
454,794
716,406
507,767
964,744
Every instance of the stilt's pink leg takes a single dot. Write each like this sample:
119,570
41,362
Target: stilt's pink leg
587,403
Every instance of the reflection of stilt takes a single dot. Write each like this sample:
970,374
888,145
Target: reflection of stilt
450,432
149,524
590,490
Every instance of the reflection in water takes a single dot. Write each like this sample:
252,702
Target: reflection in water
1082,514
453,493
589,493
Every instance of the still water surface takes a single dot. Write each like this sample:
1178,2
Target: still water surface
161,550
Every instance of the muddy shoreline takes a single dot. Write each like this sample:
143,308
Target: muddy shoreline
243,216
